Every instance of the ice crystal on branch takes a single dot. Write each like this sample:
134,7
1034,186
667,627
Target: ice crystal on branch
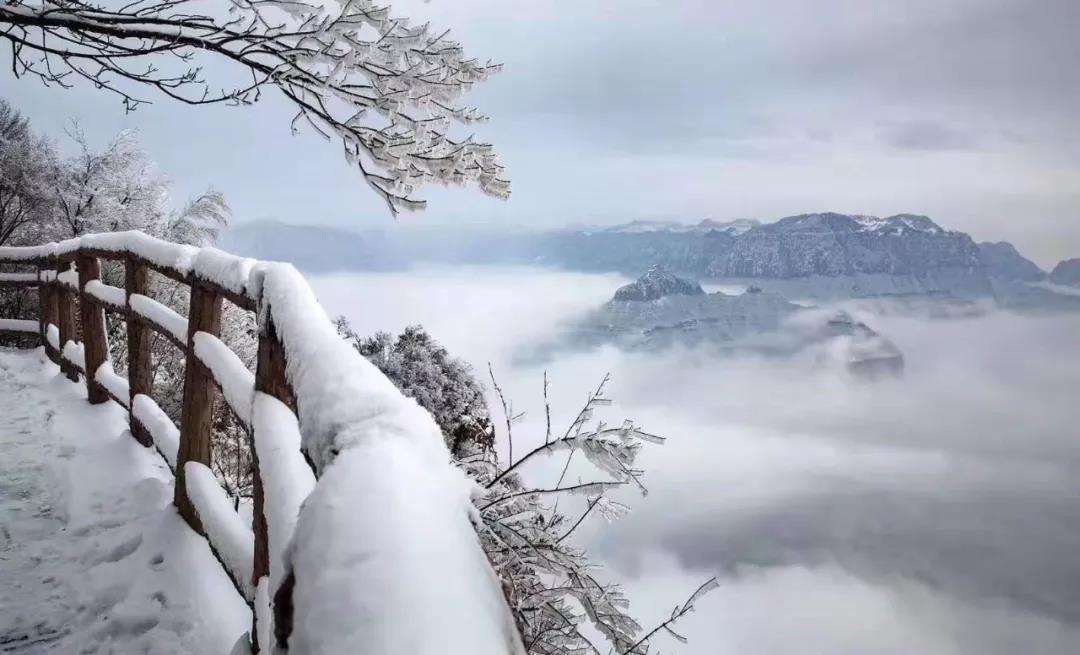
388,91
553,589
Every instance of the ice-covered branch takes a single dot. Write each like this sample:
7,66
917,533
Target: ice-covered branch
387,91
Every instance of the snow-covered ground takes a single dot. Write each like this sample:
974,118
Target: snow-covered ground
93,556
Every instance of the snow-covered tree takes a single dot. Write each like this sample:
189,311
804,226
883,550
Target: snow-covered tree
550,584
25,163
424,370
388,91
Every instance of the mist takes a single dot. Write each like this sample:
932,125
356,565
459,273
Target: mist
935,513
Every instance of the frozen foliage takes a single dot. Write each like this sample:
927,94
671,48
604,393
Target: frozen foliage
230,538
236,381
287,479
164,432
550,583
424,371
387,562
116,386
25,161
552,587
387,91
45,195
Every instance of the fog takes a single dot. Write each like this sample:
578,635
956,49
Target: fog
936,513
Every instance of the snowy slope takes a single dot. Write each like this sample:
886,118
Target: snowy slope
93,557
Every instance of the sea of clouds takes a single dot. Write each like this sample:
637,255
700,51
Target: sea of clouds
935,514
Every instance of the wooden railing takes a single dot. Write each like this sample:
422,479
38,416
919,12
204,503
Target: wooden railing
67,276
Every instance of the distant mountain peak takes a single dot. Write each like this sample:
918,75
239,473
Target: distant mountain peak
737,226
656,283
836,222
1066,272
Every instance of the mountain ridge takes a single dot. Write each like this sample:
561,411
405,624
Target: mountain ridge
824,254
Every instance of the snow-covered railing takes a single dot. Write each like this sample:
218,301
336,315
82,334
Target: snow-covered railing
361,537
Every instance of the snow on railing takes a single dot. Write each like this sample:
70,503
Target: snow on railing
362,537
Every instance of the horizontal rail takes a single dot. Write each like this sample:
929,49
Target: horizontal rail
18,328
18,280
224,274
325,426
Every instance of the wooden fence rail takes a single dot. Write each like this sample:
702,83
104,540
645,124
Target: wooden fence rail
73,301
65,293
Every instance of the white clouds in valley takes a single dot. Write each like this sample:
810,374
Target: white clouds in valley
933,514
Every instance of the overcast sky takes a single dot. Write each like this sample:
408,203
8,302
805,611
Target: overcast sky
607,111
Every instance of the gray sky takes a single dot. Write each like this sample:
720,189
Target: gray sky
607,111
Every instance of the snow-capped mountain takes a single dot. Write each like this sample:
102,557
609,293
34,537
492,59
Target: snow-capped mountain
815,256
657,283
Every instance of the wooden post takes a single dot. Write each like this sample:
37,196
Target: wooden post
140,371
95,340
46,313
269,379
200,392
65,314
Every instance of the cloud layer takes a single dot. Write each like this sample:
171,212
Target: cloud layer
933,514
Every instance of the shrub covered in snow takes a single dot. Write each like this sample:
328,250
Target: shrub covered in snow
552,587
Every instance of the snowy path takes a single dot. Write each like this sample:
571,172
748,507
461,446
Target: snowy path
93,557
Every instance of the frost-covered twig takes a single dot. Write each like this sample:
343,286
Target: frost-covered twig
387,91
676,614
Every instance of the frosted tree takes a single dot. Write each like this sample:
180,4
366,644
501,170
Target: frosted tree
526,530
387,91
442,384
25,163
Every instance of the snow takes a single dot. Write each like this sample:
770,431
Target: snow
384,552
69,278
387,562
263,614
110,295
225,270
233,541
19,277
343,399
18,325
52,335
162,430
287,479
116,385
95,557
152,310
155,251
236,381
73,352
